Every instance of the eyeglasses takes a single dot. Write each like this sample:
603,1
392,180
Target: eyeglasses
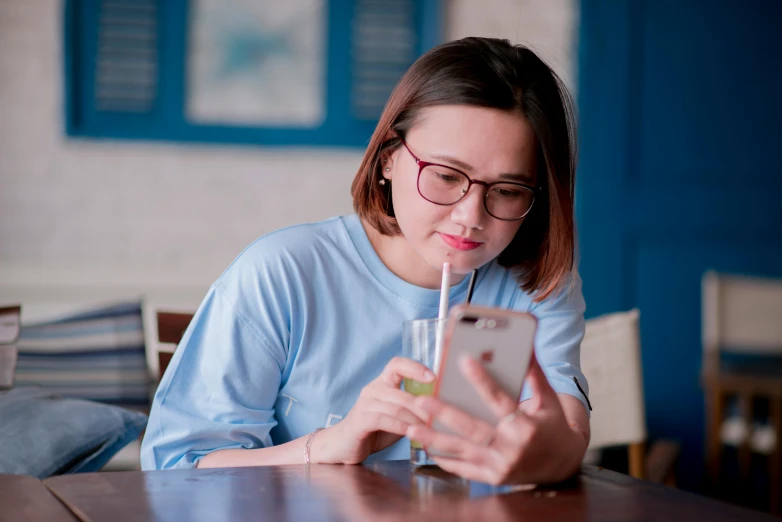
442,185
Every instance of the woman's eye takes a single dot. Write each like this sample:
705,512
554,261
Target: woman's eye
447,177
507,193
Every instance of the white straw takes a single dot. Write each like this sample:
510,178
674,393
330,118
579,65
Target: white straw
445,288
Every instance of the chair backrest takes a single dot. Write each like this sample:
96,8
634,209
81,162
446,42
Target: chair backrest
9,334
741,314
171,327
165,323
611,362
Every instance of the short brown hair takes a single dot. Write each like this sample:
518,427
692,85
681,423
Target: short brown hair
492,73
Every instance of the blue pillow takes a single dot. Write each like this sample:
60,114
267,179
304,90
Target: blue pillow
42,434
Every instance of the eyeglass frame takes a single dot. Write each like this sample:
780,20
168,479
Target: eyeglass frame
423,164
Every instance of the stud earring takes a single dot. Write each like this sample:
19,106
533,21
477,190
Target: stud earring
382,181
388,169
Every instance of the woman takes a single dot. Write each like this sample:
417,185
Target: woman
472,162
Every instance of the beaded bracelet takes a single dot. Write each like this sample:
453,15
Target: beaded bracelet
307,446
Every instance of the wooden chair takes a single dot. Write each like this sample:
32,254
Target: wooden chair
742,316
611,362
171,326
10,326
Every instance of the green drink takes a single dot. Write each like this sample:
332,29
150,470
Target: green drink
419,342
417,388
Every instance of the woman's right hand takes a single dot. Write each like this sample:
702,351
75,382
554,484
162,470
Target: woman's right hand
380,417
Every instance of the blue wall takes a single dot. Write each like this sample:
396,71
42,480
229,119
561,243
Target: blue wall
680,114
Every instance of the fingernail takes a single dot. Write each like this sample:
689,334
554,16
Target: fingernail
429,376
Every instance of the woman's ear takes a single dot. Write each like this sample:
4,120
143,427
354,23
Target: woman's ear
387,160
387,167
387,164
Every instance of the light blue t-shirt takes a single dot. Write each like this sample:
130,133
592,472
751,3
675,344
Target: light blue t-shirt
298,324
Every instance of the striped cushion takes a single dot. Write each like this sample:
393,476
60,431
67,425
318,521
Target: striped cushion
96,355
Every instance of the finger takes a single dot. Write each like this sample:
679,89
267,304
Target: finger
381,422
400,368
462,424
468,470
542,392
455,447
405,400
395,411
499,402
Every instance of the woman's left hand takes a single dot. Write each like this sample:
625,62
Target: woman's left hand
532,443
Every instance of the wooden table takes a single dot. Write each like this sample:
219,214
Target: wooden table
25,498
388,491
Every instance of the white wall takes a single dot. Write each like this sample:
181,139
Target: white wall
108,218
550,27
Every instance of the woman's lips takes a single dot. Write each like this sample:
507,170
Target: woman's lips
459,243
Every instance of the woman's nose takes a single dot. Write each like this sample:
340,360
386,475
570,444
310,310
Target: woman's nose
470,211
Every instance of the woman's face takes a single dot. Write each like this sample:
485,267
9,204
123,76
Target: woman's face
486,144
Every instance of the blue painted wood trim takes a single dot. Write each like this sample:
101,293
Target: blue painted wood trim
431,24
71,73
167,122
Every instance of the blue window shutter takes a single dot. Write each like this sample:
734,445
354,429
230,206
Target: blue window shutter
126,70
383,46
126,67
117,45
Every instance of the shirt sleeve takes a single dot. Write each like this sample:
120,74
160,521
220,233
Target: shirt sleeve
558,340
219,389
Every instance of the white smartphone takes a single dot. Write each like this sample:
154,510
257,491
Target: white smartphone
502,340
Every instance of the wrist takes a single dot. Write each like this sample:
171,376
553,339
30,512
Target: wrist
308,444
320,447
